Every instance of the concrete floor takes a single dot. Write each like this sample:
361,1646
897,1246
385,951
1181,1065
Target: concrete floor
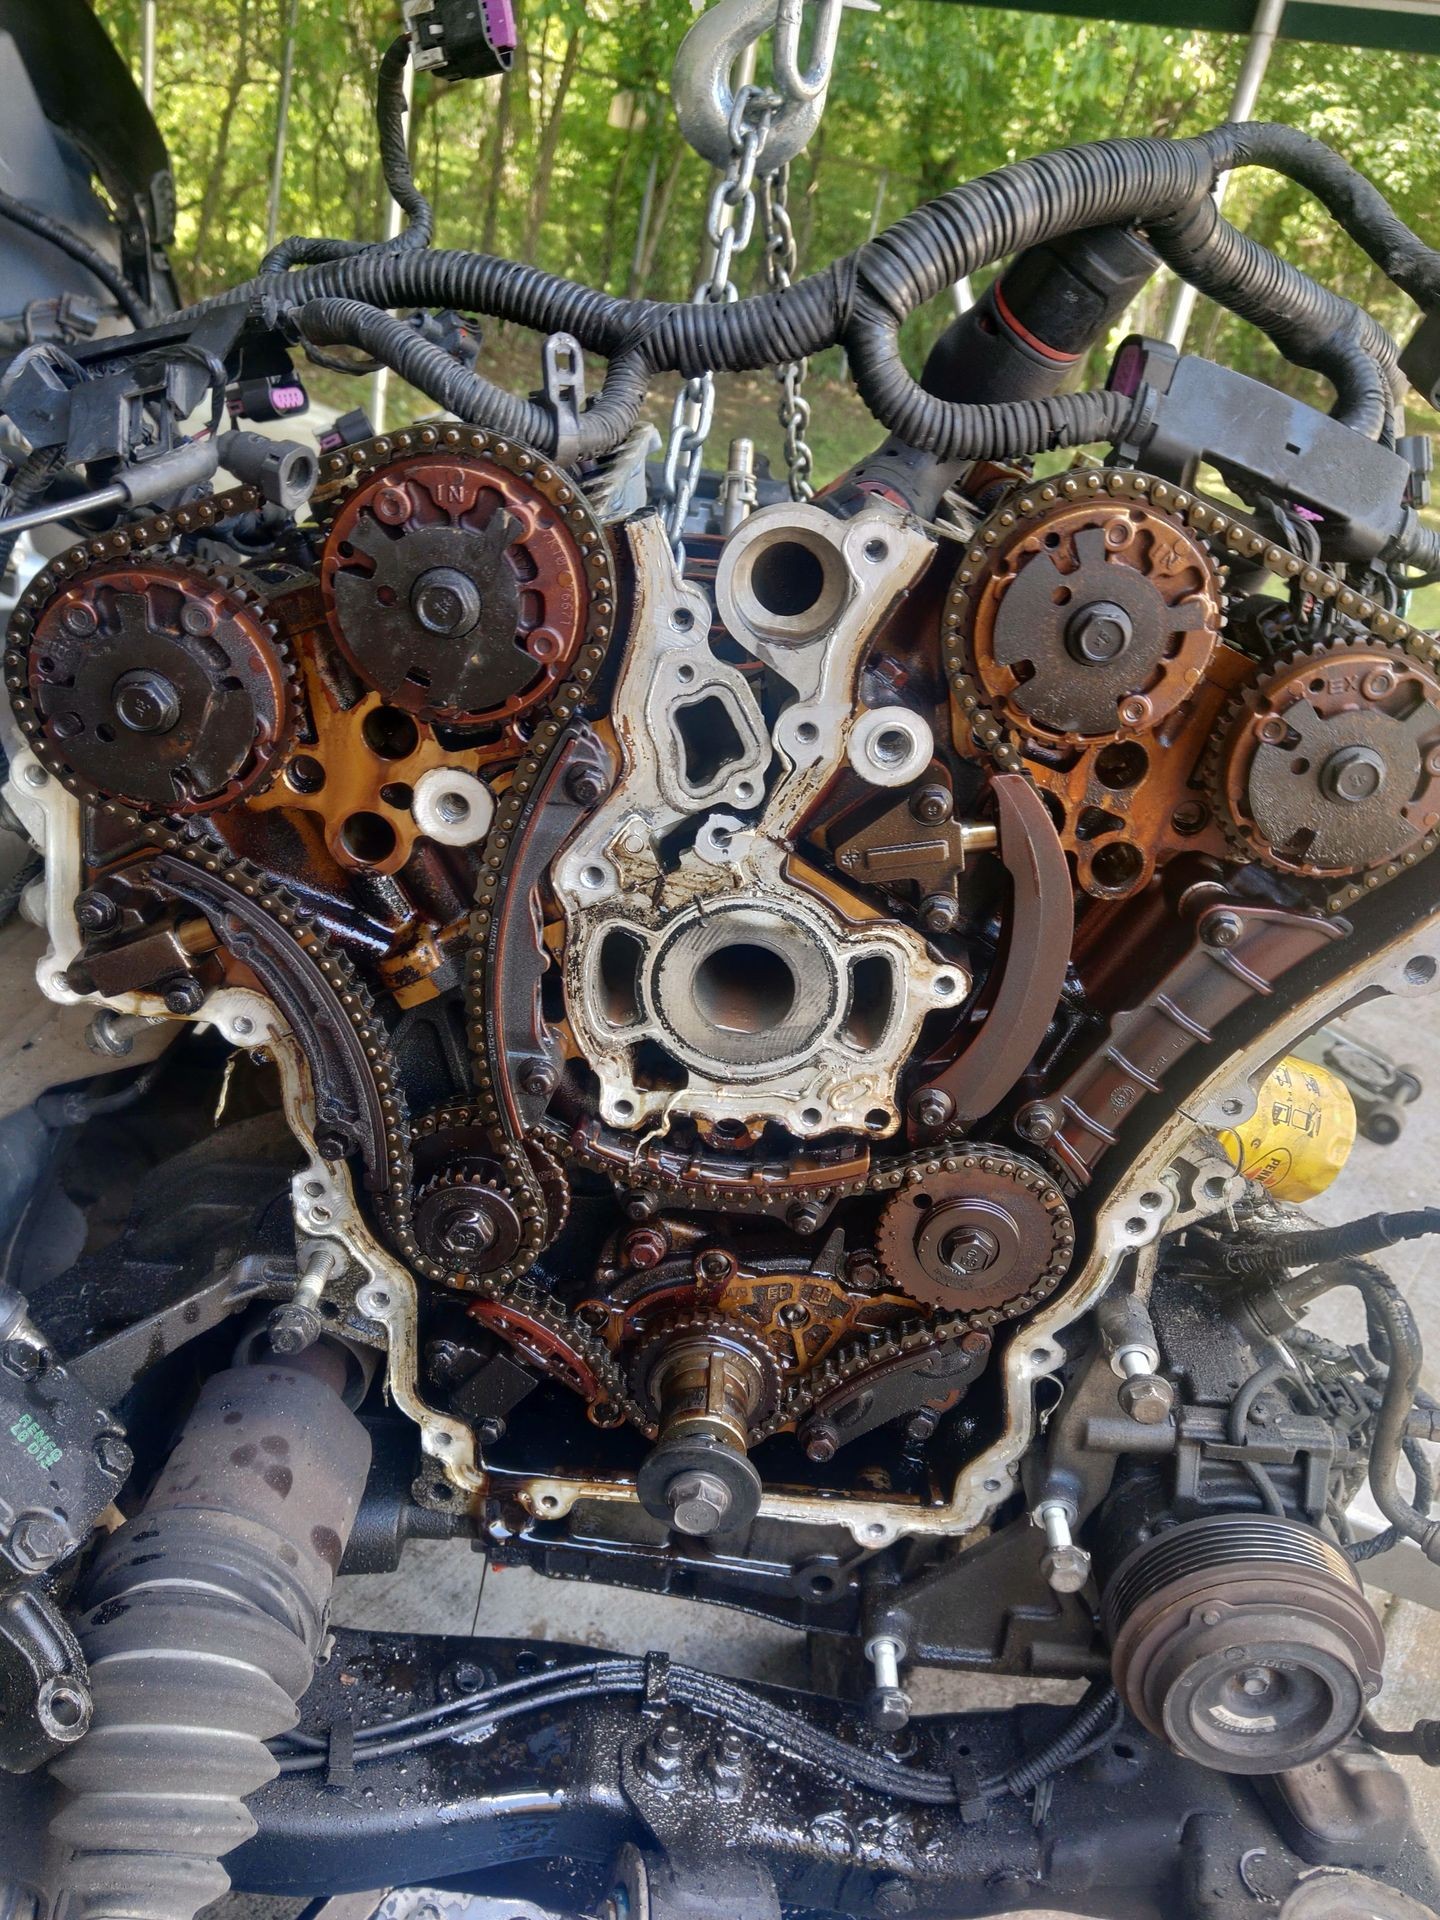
443,1588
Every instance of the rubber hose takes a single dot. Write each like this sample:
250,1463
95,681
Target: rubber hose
1320,1246
1391,1320
395,165
1424,1499
81,251
201,1621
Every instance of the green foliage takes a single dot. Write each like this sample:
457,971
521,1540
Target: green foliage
551,164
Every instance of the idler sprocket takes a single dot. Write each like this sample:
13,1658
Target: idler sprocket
975,1235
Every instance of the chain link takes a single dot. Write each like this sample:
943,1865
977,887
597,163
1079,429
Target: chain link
781,264
729,228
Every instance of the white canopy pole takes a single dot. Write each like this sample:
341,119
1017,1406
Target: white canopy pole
282,128
1268,16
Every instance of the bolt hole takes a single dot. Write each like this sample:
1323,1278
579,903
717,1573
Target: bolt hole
807,733
368,838
1420,970
592,877
390,733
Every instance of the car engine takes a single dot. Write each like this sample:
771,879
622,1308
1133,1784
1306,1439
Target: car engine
737,1042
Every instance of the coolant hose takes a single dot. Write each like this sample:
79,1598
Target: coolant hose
200,1623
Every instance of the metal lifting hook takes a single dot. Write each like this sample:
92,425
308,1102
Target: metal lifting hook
703,84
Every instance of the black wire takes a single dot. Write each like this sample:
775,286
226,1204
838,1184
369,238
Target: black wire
479,1712
81,251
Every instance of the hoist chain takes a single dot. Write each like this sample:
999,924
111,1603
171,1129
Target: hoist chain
781,265
729,227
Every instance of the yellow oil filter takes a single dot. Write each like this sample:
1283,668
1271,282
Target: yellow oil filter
1301,1133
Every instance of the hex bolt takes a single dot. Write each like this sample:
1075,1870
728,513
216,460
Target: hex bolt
723,1765
584,786
1144,1394
803,1216
538,1078
888,1705
184,995
931,1108
95,911
644,1248
699,1503
641,1205
37,1541
1036,1123
145,701
296,1324
24,1361
939,912
664,1754
114,1456
821,1443
931,804
713,1265
1066,1567
1223,930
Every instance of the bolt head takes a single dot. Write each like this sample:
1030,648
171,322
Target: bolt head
699,1503
645,1248
184,996
803,1216
37,1541
1098,632
22,1360
713,1265
970,1250
939,912
932,1108
538,1078
1036,1123
888,1709
113,1455
94,911
1066,1569
1147,1398
584,786
641,1206
820,1445
1223,929
145,701
292,1329
931,804
1353,775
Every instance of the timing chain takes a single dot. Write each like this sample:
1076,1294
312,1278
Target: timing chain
782,261
729,228
1226,535
515,1149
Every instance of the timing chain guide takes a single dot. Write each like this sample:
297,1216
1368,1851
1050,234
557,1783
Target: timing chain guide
515,1149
